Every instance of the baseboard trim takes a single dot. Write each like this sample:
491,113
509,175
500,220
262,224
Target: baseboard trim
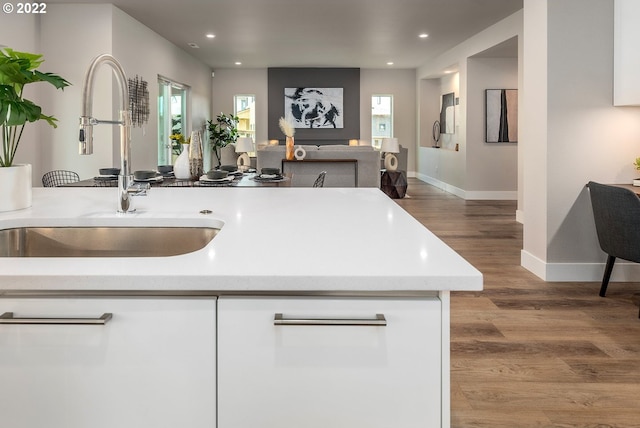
578,272
491,195
442,185
520,216
469,195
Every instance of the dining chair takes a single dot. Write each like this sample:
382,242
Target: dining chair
616,212
59,177
320,180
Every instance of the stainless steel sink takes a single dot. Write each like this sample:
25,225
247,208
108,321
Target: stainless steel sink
103,241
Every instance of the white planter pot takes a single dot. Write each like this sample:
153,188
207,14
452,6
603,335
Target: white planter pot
15,187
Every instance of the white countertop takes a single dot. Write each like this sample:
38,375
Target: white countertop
271,239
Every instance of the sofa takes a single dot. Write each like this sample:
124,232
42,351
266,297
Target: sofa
365,172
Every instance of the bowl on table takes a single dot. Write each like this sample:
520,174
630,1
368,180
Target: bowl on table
229,168
109,171
144,175
270,171
165,169
217,174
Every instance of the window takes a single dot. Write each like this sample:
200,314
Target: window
245,109
381,118
172,118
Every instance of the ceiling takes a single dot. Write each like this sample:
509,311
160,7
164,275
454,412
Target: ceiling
315,33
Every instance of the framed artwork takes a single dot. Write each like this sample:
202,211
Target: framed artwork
322,103
314,107
501,115
447,114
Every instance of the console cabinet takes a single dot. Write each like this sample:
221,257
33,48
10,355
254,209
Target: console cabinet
297,362
152,364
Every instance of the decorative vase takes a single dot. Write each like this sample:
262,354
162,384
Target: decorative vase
181,168
289,143
300,153
195,156
15,187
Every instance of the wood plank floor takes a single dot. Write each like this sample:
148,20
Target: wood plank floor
524,352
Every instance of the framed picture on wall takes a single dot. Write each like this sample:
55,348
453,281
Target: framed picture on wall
447,114
501,115
314,107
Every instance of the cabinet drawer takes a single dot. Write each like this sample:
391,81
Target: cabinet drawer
151,365
369,374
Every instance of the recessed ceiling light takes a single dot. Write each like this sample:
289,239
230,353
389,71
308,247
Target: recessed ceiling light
238,63
423,35
390,63
193,45
210,36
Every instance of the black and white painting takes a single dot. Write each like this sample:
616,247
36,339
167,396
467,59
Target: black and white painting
501,108
314,107
447,114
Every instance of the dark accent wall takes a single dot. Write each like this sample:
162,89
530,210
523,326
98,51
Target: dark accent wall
346,78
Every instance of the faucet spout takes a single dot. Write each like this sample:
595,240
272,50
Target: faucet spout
87,122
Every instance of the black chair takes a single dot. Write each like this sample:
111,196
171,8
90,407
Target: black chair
320,180
59,177
616,212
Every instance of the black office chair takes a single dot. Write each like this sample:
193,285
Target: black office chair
616,212
320,180
59,177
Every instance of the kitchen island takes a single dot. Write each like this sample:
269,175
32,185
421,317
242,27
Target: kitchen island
338,260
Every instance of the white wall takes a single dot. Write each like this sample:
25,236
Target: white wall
443,167
69,49
144,53
573,134
402,85
491,167
230,82
462,172
21,33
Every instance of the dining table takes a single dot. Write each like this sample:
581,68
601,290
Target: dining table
249,179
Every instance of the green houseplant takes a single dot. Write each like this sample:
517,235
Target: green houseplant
222,132
18,69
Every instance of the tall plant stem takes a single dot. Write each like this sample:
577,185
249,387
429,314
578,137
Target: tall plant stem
5,146
10,140
14,143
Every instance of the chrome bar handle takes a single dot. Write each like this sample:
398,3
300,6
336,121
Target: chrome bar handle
8,318
378,321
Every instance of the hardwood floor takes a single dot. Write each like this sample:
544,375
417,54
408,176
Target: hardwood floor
524,352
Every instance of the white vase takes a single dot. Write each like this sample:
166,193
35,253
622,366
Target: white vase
15,187
181,168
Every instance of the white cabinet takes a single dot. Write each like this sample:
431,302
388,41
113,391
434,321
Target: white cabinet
152,365
338,376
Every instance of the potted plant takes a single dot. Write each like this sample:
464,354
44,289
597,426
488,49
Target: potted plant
177,145
17,69
222,132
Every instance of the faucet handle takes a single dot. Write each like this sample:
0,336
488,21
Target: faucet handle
139,189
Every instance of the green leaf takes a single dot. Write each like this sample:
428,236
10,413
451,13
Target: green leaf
54,79
16,70
50,120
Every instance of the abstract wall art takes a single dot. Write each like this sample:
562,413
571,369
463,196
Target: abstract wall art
314,108
501,107
292,82
447,114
